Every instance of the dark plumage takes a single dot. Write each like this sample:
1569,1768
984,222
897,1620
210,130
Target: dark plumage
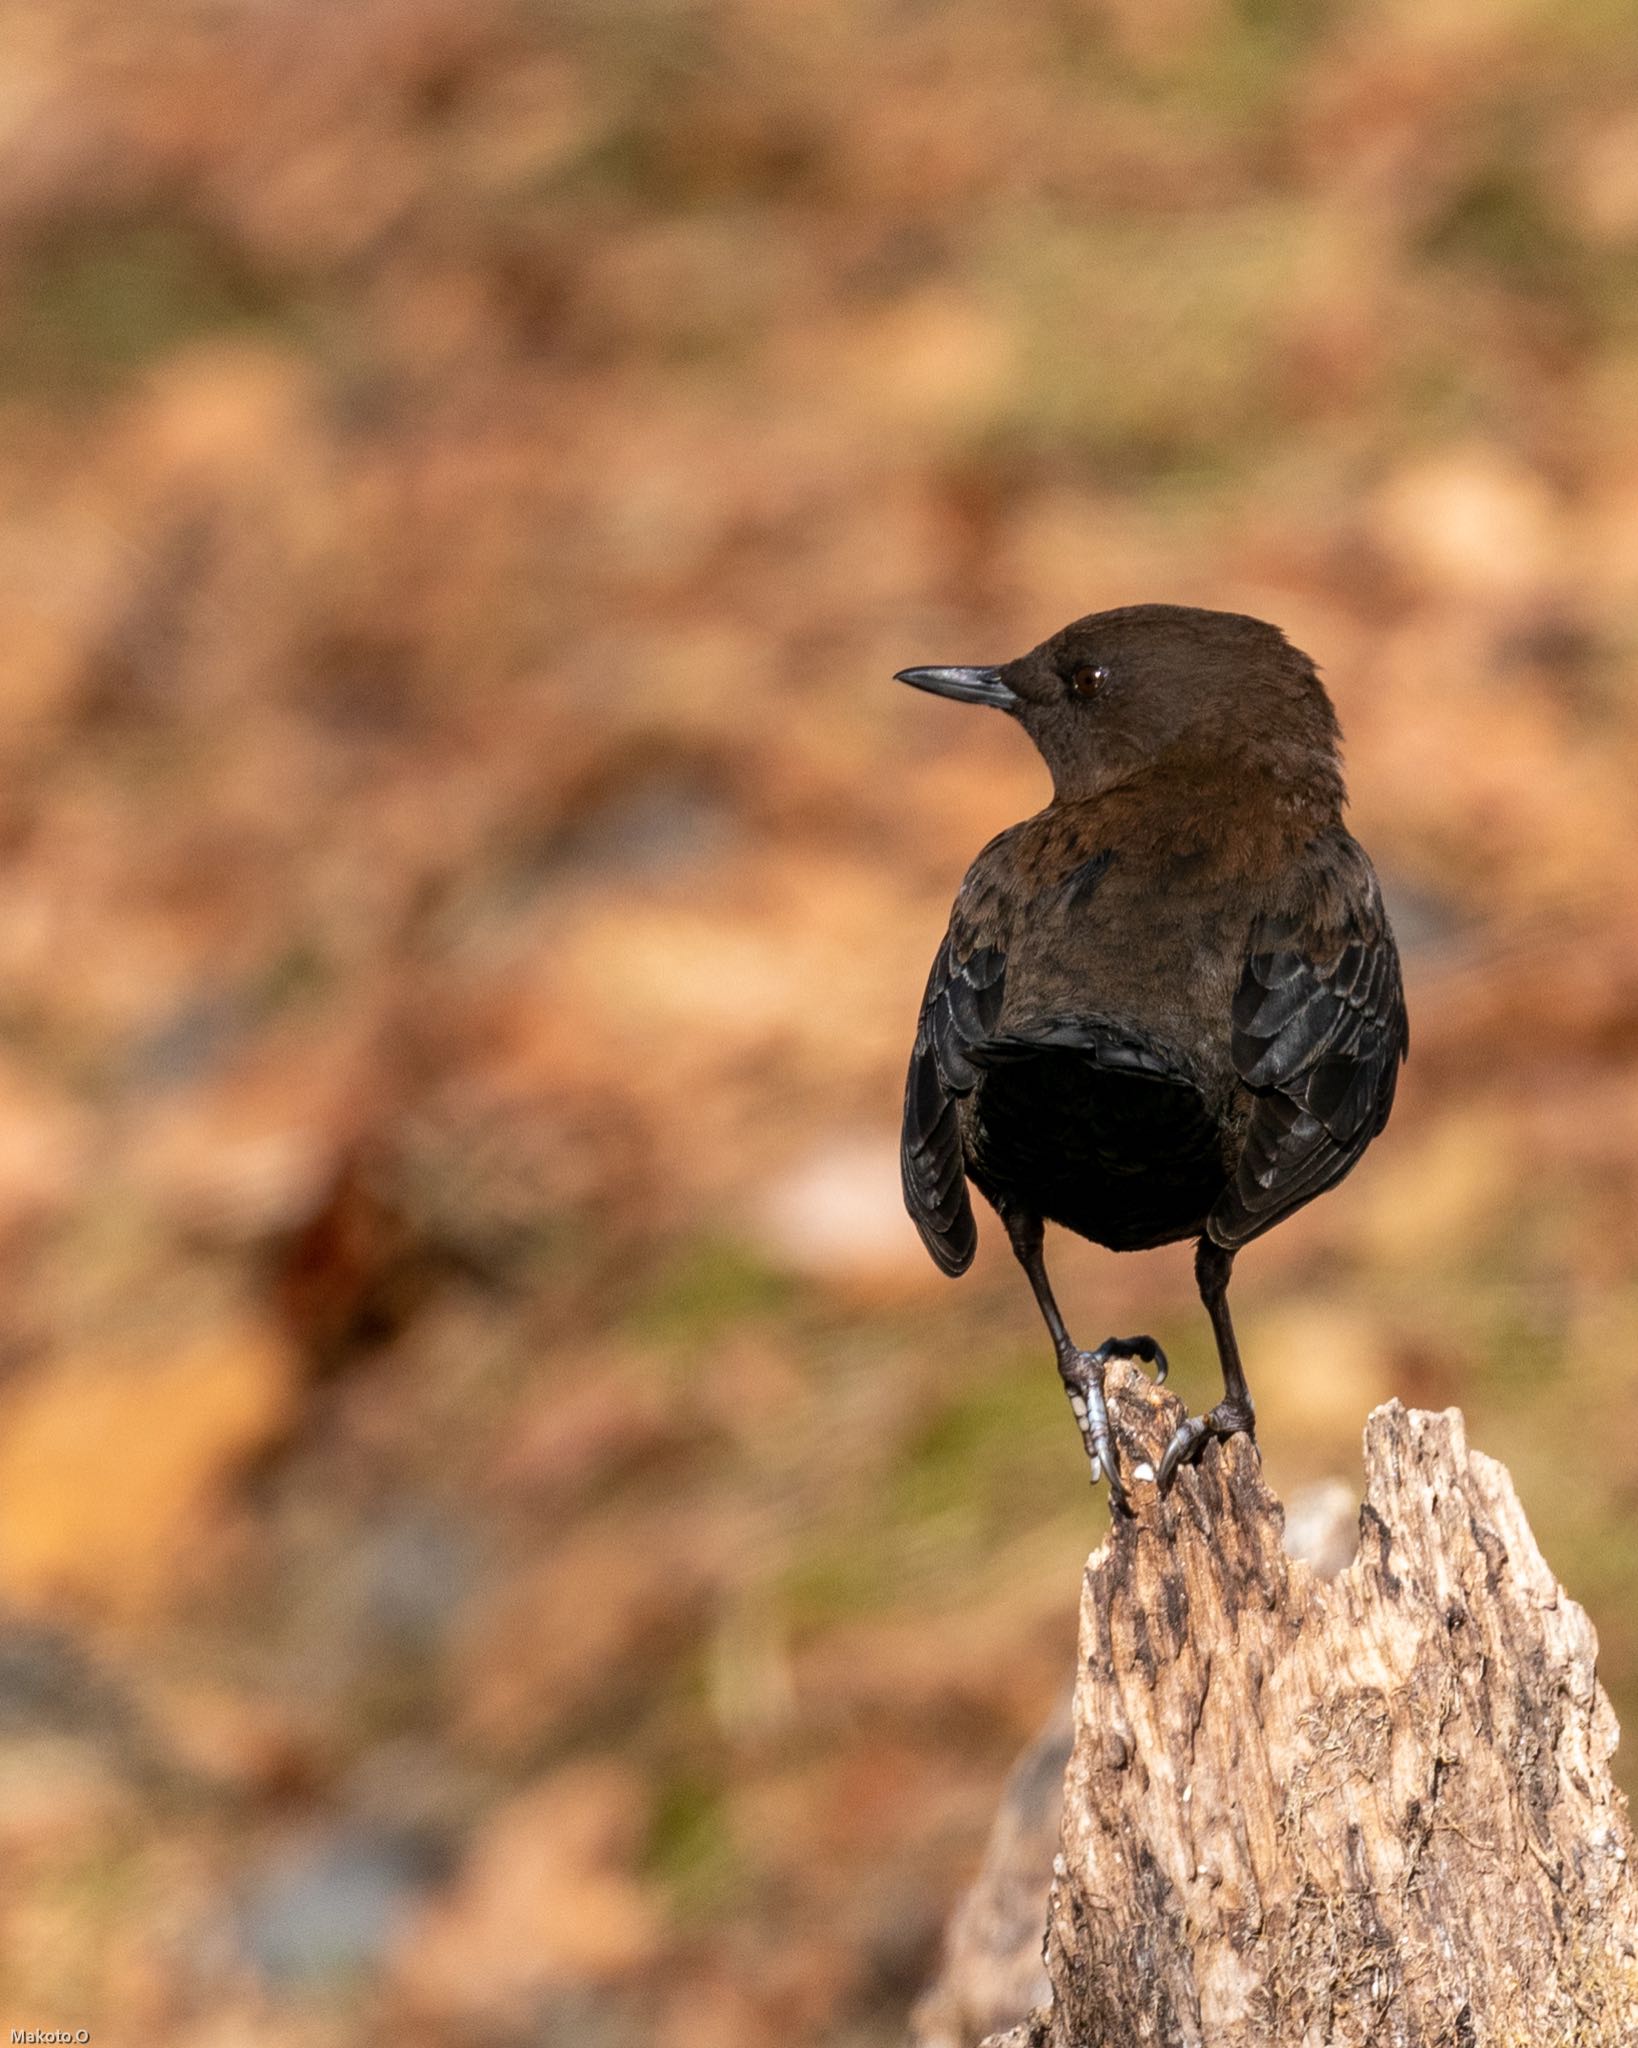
1169,1005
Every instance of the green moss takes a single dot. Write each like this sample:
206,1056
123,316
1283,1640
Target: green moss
998,1463
1500,220
297,975
1256,58
692,1853
1502,225
707,1286
1152,351
95,304
626,161
986,1440
1231,76
837,1580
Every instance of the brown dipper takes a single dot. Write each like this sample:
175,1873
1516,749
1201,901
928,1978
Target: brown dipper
1169,1005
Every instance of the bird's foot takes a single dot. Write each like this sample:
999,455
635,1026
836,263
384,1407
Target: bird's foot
1082,1373
1228,1418
1144,1348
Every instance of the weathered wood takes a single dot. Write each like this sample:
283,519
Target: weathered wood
992,1968
1302,1814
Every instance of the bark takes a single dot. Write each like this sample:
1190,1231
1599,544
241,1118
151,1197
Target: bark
1309,1814
992,1968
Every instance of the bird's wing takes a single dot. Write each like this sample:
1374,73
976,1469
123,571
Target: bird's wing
1103,1041
958,1014
1319,1031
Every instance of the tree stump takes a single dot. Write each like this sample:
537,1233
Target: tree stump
1374,1810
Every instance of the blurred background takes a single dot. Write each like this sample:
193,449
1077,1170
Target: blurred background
504,1537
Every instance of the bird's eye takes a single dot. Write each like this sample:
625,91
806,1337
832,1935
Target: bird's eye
1087,682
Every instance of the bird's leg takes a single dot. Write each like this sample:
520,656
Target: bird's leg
1081,1371
1234,1413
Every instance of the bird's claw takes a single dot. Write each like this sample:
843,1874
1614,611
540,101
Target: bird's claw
1083,1377
1228,1418
1144,1348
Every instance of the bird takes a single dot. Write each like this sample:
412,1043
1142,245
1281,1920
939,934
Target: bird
1170,1004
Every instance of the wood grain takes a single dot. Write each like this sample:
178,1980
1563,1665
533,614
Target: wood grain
1303,1813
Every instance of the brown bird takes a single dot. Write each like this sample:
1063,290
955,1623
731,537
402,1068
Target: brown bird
1169,1005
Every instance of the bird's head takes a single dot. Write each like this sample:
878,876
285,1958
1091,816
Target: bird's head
1120,692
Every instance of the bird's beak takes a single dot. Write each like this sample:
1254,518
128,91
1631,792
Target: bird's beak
965,685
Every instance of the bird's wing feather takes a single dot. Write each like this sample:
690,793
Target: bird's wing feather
1318,1033
958,1014
1102,1041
